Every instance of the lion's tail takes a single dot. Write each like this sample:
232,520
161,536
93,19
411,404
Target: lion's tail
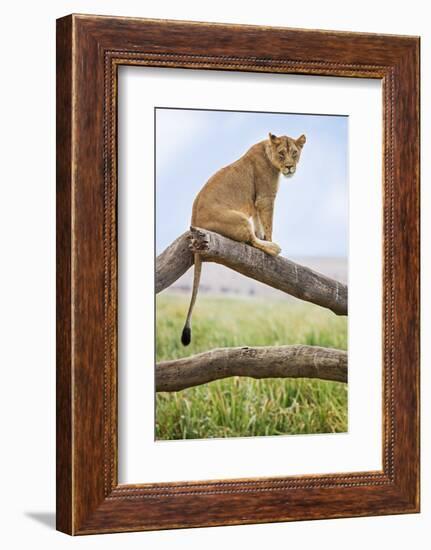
186,335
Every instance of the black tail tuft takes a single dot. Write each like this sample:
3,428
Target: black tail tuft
186,336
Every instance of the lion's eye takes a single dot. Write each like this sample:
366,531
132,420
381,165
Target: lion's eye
281,155
294,154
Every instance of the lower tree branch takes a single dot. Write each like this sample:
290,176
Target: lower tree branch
296,361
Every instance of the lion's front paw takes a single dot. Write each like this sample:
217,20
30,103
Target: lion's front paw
273,248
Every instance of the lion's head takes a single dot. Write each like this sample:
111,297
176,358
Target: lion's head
285,152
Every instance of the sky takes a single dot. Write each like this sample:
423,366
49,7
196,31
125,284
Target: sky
311,208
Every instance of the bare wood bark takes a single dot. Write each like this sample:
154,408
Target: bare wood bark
173,262
296,361
277,272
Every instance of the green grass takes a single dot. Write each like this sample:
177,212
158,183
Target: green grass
240,406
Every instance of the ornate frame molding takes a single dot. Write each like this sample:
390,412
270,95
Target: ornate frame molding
90,49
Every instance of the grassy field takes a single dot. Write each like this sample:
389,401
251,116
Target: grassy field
244,406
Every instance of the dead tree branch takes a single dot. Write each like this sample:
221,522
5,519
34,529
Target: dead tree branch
277,272
296,361
173,262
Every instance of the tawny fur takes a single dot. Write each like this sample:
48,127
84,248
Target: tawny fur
238,200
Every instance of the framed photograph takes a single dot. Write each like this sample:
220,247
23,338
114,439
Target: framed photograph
237,274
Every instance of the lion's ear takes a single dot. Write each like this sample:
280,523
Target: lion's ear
300,141
272,138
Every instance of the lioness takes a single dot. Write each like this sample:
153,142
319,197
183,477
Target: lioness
238,200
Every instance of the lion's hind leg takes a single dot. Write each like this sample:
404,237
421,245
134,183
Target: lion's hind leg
237,226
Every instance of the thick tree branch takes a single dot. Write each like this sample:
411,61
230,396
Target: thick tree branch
261,362
277,272
173,262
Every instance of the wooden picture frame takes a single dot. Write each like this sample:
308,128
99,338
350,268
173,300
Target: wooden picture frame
89,51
